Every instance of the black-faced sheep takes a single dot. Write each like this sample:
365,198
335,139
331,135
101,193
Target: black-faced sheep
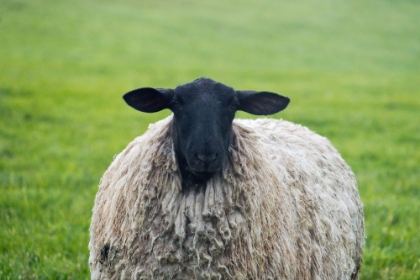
203,196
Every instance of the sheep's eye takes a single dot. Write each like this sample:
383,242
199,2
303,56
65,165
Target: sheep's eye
232,104
176,103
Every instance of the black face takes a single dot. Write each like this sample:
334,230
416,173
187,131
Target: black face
203,114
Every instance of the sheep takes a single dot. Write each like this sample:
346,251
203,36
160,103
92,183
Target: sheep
203,196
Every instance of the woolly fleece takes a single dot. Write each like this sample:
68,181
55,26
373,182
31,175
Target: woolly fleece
285,206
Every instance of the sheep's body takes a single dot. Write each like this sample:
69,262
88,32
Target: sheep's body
285,206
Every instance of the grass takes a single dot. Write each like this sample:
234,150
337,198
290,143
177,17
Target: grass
351,69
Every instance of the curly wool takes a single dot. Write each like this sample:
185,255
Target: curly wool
285,206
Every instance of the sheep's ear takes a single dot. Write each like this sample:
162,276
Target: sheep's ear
149,100
261,102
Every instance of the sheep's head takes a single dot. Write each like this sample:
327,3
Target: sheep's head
202,124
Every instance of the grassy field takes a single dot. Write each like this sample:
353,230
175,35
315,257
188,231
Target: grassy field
351,69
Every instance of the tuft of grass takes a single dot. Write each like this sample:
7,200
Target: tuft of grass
351,69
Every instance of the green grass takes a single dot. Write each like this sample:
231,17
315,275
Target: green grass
351,68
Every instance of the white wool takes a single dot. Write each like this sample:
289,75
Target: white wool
285,206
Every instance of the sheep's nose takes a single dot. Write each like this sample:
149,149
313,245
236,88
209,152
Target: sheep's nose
206,158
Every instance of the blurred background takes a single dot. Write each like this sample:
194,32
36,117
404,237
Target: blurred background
351,69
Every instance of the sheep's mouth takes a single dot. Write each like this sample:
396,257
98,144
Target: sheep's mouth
203,176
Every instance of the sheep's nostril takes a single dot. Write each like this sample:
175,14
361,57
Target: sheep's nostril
206,158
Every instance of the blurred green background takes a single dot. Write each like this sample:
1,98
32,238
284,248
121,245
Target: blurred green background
351,69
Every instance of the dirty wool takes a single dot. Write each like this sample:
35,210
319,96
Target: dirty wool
284,206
